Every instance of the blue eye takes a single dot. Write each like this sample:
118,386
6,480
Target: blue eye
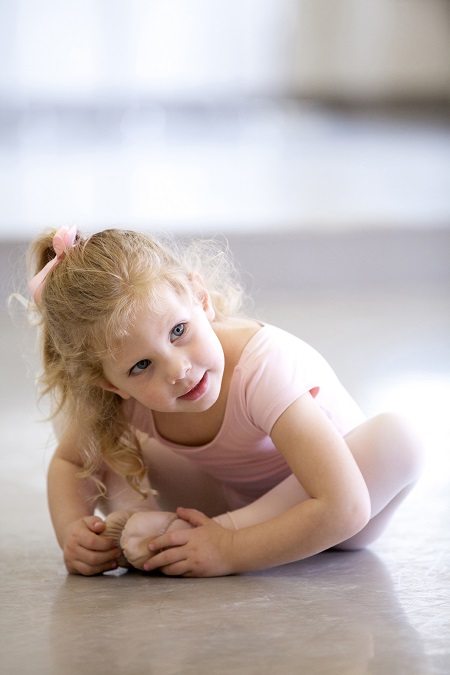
140,366
178,331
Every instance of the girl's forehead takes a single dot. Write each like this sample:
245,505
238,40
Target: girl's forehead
164,304
164,298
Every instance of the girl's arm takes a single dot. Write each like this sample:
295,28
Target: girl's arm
69,498
72,501
333,505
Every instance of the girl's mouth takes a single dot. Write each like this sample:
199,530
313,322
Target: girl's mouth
197,391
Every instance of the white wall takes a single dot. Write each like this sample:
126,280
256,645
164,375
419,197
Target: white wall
79,49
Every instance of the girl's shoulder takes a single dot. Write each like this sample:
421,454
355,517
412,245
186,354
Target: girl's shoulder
247,340
235,334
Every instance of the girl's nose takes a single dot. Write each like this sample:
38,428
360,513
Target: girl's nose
178,370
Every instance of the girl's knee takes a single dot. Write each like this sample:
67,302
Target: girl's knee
387,452
405,448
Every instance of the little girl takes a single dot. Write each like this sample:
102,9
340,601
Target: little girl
216,444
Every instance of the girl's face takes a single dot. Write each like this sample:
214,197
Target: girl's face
170,361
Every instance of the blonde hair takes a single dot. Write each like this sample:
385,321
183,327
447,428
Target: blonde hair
88,301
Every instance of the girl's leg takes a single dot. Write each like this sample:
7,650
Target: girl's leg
388,456
180,482
122,506
133,522
120,496
390,460
172,481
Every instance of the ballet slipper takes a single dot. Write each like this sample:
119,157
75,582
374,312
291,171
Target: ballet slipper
133,531
140,529
114,525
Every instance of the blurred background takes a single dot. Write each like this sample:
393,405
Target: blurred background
206,116
314,135
210,116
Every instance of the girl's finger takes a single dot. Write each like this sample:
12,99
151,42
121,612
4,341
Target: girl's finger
192,516
179,569
95,524
94,542
90,570
95,558
170,539
165,558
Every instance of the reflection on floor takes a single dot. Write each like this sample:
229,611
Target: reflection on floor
382,611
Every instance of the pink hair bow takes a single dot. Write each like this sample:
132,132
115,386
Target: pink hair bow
63,240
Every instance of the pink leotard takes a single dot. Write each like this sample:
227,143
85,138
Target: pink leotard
275,368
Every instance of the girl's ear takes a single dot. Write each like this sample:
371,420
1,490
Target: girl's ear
201,295
107,386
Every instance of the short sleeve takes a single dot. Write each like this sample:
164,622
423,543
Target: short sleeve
279,370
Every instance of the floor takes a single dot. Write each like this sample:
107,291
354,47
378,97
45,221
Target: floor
383,611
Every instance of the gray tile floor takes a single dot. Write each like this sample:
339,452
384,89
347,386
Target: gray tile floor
383,611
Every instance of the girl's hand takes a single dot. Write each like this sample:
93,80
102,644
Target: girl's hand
206,551
86,551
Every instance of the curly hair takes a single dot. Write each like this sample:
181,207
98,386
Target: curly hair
87,304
